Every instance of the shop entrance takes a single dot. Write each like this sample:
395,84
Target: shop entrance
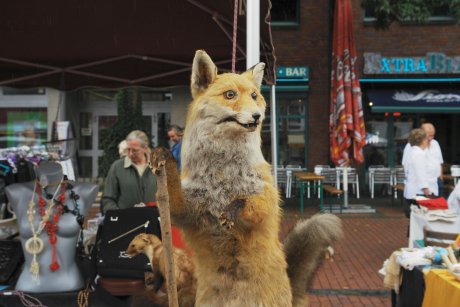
99,117
387,135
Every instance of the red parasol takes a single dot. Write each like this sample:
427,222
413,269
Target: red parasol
346,123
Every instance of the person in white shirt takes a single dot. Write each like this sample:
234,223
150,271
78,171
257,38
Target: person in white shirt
419,174
434,156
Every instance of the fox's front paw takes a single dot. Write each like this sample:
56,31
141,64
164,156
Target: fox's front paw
228,217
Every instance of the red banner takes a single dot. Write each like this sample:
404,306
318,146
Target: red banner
346,122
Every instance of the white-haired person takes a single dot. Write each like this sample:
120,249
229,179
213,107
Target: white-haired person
129,182
434,155
123,149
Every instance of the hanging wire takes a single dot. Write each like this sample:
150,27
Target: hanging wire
235,27
26,299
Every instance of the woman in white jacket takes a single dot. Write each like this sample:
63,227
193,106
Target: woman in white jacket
421,176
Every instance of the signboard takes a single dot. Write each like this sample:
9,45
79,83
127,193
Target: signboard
85,131
431,63
292,72
439,100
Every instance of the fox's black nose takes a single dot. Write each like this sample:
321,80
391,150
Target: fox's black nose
256,116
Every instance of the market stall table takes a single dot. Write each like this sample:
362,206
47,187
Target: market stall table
441,289
419,221
312,180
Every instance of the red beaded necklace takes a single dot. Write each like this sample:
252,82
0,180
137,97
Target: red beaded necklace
51,225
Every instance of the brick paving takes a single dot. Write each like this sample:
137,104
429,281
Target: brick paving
352,278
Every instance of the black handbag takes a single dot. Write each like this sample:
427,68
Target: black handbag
11,261
113,237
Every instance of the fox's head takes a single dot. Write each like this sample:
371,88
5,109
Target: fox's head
230,103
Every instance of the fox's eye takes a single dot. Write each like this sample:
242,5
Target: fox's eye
254,95
229,94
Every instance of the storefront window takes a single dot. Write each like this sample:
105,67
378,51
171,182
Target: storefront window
291,131
285,12
20,127
386,137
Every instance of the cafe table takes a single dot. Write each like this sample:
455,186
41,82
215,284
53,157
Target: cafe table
314,181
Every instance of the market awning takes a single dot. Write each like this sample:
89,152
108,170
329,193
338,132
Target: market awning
86,43
414,100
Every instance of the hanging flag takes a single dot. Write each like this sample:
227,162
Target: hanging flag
346,122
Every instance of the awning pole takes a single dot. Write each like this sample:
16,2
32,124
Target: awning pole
252,33
274,133
345,186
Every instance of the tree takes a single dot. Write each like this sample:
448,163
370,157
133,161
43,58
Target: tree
417,11
129,105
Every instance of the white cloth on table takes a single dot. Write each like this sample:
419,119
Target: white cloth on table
454,199
406,258
445,215
412,257
391,271
418,220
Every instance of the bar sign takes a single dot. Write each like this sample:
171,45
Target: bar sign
292,72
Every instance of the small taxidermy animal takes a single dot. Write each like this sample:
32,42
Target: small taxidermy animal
151,246
227,204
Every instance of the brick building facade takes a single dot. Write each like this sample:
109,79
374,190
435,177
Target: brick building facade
309,44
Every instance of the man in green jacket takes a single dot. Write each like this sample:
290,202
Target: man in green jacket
129,181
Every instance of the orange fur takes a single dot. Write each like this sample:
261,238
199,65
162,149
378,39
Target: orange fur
226,202
151,246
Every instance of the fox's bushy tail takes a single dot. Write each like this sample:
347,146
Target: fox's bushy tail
304,248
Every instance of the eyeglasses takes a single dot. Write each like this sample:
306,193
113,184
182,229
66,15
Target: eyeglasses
134,150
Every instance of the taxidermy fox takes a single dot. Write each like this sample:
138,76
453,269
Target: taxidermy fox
151,246
226,202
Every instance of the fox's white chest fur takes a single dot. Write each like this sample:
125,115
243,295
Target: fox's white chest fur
223,169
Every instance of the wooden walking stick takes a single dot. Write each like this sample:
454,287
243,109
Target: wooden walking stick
166,234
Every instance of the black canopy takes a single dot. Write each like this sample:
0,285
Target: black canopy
105,43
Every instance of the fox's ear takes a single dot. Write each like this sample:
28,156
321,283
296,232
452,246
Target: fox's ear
256,73
203,72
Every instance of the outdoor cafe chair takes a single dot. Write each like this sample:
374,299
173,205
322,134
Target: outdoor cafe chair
330,177
318,171
281,177
290,168
399,178
379,175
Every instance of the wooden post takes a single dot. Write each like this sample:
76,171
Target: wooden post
166,234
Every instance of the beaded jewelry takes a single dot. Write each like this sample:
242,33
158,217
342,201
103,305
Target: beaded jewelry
35,245
49,221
